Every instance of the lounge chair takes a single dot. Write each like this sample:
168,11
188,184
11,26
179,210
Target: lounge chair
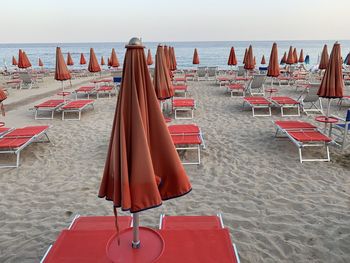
341,131
99,222
4,130
310,102
14,141
76,106
181,89
187,137
14,83
28,81
241,71
303,135
184,105
47,106
286,103
105,90
256,85
86,90
201,73
180,81
345,98
212,73
223,80
258,102
235,88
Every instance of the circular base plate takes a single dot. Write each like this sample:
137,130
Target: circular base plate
151,248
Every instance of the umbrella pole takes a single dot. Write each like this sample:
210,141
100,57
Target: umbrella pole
135,225
328,107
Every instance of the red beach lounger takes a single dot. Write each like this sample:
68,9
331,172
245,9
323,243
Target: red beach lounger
180,80
87,90
235,88
184,105
76,106
47,106
100,222
258,103
181,89
286,103
105,89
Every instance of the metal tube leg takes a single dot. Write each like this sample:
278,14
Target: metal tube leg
136,238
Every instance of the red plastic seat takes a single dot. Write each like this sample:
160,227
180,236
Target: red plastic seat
100,223
183,103
309,136
50,104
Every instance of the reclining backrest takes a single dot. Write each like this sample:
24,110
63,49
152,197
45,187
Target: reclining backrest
241,71
311,95
201,71
258,81
212,71
25,76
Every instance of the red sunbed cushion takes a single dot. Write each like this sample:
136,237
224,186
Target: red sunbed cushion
184,128
27,131
3,129
6,143
77,104
309,136
182,87
223,79
191,222
241,78
179,79
49,104
235,86
257,100
186,139
284,100
183,103
294,125
85,89
101,223
105,88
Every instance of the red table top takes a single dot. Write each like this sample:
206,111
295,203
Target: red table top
326,119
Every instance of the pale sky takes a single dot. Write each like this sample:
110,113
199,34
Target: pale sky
58,21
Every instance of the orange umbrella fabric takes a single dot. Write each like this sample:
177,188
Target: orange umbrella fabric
263,61
61,71
40,63
174,58
102,61
273,69
324,58
82,59
332,84
23,61
301,56
114,60
249,59
232,60
166,56
245,56
108,62
26,60
142,166
70,60
161,80
149,58
290,58
284,58
93,63
14,61
295,56
195,60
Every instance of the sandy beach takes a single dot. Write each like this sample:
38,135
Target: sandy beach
277,210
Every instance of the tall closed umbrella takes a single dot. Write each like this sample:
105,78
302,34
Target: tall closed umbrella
324,58
82,59
174,58
245,56
114,59
93,63
295,56
149,58
166,56
142,166
290,58
332,84
70,60
195,60
40,63
249,65
108,62
14,61
23,61
284,59
61,70
162,83
102,61
301,56
26,60
232,60
263,61
273,69
173,63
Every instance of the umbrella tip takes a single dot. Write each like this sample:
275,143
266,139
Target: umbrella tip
135,42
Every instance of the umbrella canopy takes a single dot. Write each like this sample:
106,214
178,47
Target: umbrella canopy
40,63
61,71
82,59
195,60
332,84
23,61
166,56
102,61
245,56
301,56
173,63
324,58
70,60
232,60
290,58
273,68
161,80
142,166
174,58
263,61
254,61
114,59
249,59
108,62
14,61
149,58
284,58
307,59
93,63
295,56
26,59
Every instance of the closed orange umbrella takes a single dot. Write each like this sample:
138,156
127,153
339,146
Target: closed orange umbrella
263,61
245,56
290,58
173,65
23,61
61,71
14,61
301,56
149,58
232,60
142,166
249,65
40,63
332,85
114,60
324,58
102,61
273,69
295,56
26,60
70,60
195,60
174,58
161,80
284,58
82,59
166,56
108,62
93,63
